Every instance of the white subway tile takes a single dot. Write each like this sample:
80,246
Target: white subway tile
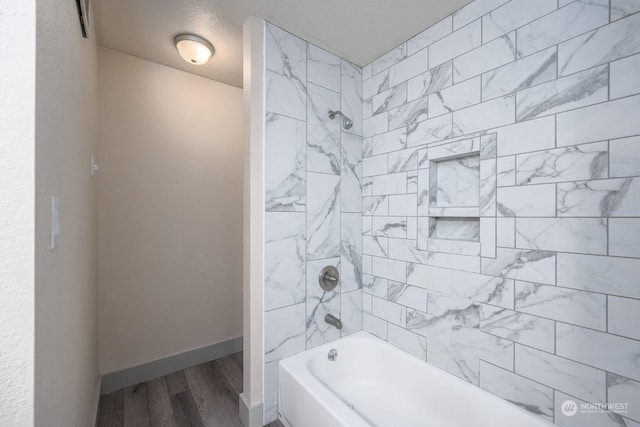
598,349
561,374
284,332
405,340
323,216
578,235
375,85
389,141
622,8
481,345
366,264
487,115
284,260
458,247
403,205
484,58
453,149
614,119
412,228
350,251
351,96
410,296
389,99
323,68
526,72
375,245
527,200
600,46
566,93
624,77
478,287
409,67
375,125
376,286
431,130
566,305
456,262
460,41
610,275
506,237
390,269
605,198
389,226
624,390
285,174
624,317
431,81
518,390
624,237
390,58
576,18
430,35
488,183
512,15
367,71
375,205
506,171
624,157
375,165
408,114
394,183
455,97
521,264
580,162
488,237
403,160
351,312
389,311
518,327
374,325
473,11
532,135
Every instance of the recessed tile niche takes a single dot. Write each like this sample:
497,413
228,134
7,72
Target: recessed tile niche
454,193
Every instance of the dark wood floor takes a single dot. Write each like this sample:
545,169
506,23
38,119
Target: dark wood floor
202,396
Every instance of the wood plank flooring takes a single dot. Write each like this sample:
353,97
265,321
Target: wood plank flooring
201,396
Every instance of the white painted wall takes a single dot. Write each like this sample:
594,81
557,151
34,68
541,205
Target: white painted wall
17,186
66,341
253,255
170,211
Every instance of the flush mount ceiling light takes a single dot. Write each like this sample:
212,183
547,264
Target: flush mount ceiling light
193,49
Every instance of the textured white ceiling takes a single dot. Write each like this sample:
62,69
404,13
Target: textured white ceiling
358,30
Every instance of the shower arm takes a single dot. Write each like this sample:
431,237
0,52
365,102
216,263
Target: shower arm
346,121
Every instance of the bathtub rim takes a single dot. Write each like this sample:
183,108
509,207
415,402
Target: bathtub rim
298,363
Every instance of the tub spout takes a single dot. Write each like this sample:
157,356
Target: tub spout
333,320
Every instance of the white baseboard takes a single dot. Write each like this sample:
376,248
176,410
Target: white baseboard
251,416
96,403
177,362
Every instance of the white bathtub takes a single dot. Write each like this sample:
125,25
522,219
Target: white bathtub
371,383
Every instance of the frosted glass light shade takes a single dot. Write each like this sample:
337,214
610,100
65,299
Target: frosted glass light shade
193,49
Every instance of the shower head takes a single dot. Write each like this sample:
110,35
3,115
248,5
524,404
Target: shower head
346,121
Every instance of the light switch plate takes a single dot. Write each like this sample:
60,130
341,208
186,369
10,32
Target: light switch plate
55,222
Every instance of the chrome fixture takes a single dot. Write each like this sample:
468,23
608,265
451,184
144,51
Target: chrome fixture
333,320
346,121
333,354
329,278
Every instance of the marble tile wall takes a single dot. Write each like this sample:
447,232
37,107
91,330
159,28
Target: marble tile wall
313,199
533,292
